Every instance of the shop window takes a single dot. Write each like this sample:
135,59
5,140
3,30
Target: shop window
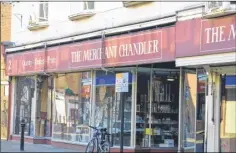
107,107
228,115
24,105
189,117
71,108
43,108
200,118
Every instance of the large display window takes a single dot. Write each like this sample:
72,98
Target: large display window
189,108
108,103
43,108
24,106
228,114
72,107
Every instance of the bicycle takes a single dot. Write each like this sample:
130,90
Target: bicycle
99,142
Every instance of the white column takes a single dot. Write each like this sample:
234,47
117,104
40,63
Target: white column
13,97
213,112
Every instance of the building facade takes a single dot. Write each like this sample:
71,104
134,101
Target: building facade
5,18
64,77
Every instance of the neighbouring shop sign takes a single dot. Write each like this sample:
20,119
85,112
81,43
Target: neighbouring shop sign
150,46
206,36
122,82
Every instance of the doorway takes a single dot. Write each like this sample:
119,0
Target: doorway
157,108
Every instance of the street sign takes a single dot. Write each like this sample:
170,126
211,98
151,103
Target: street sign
122,82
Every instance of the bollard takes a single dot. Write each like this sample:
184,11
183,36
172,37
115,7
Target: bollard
22,135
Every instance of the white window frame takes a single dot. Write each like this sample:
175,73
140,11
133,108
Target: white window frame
6,90
86,3
217,4
45,6
79,7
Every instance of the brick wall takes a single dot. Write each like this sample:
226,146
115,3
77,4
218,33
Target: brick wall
5,32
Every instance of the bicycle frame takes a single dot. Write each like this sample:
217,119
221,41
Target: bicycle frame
99,138
97,141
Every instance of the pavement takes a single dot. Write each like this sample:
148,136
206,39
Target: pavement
14,146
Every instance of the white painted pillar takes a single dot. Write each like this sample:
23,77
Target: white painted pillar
213,112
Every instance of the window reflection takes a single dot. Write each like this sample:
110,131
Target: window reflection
107,107
72,107
24,105
228,115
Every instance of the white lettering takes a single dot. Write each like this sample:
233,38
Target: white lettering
208,35
215,34
222,33
232,33
155,46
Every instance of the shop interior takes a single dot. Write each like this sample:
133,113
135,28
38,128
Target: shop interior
157,106
74,100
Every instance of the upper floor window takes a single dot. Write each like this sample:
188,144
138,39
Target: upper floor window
80,10
88,5
39,17
78,7
43,11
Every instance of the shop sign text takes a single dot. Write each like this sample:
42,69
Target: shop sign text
218,35
131,49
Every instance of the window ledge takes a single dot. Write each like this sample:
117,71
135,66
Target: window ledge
218,13
133,3
38,25
82,15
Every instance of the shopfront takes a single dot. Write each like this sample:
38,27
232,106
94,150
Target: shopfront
62,89
209,46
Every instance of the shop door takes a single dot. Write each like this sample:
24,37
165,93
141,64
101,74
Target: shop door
189,110
143,108
157,108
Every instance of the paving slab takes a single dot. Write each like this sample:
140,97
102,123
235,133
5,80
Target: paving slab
14,146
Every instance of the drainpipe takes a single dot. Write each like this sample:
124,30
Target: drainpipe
181,105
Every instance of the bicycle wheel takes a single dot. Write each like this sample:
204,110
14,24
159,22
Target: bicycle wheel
105,147
91,146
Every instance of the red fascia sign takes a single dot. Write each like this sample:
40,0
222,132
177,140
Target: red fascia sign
205,36
150,46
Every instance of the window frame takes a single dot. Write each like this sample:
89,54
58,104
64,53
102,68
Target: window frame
45,7
90,108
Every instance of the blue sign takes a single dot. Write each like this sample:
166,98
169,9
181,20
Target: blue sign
230,80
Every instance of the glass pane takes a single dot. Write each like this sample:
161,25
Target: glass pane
228,116
25,105
88,5
43,109
107,107
190,92
165,104
143,107
72,107
200,125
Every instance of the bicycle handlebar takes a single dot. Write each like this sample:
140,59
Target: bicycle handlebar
93,127
98,129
